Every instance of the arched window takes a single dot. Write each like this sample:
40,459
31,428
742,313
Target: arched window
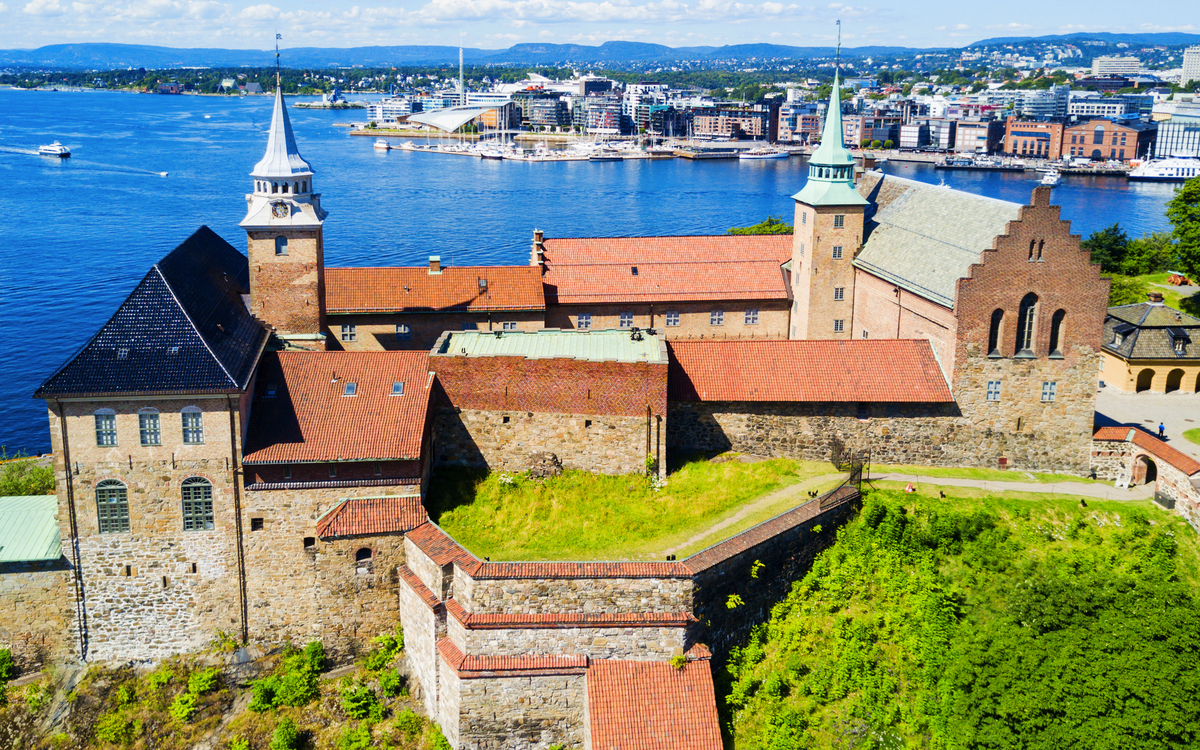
193,425
106,428
281,245
285,187
148,427
994,333
197,504
1056,332
363,555
1031,245
112,507
274,187
305,185
1098,135
1027,326
1040,245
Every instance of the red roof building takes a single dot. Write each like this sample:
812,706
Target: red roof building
421,289
650,705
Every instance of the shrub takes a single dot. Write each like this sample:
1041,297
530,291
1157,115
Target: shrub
434,739
888,144
204,681
392,683
183,707
8,669
386,649
294,683
876,144
408,723
239,743
354,738
286,736
124,695
24,477
263,692
38,697
115,729
360,702
159,677
678,661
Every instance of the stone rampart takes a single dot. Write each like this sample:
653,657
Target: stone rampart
580,595
631,643
37,614
522,713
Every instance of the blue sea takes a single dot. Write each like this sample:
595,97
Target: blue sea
78,234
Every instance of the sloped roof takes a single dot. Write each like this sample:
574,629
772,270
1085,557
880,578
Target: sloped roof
597,270
613,345
450,119
282,157
650,705
1149,332
414,289
1150,444
309,419
924,238
29,528
871,370
184,329
372,515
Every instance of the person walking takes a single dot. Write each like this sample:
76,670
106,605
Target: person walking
1162,431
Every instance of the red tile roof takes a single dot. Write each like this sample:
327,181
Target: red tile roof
472,667
649,705
1150,444
535,570
420,589
874,370
372,515
309,418
441,548
569,619
593,270
414,289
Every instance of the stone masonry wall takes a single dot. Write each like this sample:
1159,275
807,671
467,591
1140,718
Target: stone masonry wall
449,703
580,595
37,612
636,644
1178,486
522,713
1111,460
420,625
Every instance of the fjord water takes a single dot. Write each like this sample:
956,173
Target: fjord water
78,234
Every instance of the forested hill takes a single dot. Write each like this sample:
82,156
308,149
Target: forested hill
982,624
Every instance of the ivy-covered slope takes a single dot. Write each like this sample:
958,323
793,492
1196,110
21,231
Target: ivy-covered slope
963,623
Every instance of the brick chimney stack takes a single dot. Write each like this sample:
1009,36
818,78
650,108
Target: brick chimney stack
537,253
435,264
1156,298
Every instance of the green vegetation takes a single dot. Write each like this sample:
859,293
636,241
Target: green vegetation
991,475
1183,211
24,476
584,516
1192,435
982,623
769,225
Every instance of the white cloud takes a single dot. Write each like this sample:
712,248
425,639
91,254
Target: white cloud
44,8
262,12
3,8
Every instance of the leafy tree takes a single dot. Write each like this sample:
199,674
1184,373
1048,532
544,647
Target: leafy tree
1183,211
1150,253
1126,290
770,225
1108,247
24,476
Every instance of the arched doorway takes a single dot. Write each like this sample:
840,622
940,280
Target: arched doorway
1197,388
1144,470
1096,154
1174,380
1144,379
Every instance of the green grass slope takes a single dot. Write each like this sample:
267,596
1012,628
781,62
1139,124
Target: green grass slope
981,623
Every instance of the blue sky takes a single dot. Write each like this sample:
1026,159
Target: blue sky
502,23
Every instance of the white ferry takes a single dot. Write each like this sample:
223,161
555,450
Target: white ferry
55,149
1051,178
1166,170
764,153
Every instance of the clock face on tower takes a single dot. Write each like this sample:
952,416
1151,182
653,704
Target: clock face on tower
280,210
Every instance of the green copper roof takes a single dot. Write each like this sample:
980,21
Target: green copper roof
29,528
618,345
831,167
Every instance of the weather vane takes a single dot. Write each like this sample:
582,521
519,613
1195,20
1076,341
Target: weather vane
838,59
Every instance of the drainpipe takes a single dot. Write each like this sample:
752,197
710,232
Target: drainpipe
80,606
235,470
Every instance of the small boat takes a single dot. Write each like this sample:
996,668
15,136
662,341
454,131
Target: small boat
383,145
491,153
606,153
1166,170
207,116
55,149
1051,178
764,153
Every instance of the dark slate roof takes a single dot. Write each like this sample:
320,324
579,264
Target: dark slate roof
184,329
1149,332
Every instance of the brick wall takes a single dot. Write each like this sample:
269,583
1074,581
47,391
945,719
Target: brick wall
816,273
695,318
885,311
378,332
288,291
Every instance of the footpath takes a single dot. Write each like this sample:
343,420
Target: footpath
1097,490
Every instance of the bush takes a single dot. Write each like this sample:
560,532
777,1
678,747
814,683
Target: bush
392,683
409,724
183,707
360,702
1126,290
286,736
386,649
354,738
888,144
8,669
876,144
24,477
38,697
239,743
159,677
115,729
294,683
204,681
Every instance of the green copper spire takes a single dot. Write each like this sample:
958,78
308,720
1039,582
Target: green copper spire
831,167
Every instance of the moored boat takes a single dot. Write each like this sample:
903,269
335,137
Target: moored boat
1051,178
764,153
383,145
606,153
1166,170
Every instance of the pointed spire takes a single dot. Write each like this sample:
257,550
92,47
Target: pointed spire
282,158
831,166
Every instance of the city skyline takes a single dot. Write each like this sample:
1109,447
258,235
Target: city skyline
498,24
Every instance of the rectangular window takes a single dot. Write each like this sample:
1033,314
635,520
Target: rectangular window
197,506
801,249
193,427
1049,390
332,471
398,388
583,321
752,316
839,293
112,508
350,333
716,318
839,221
837,252
993,390
865,335
672,319
839,326
106,430
148,427
470,326
804,217
508,325
626,319
403,333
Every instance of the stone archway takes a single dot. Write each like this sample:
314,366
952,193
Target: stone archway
1174,380
1145,470
1144,379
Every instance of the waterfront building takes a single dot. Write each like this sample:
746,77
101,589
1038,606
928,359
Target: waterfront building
1089,104
914,136
1040,139
1179,136
1105,139
390,110
759,122
1151,347
978,136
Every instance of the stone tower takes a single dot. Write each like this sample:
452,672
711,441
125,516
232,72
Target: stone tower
283,226
828,234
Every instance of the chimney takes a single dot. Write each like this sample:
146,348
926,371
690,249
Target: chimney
537,253
435,264
1156,298
868,162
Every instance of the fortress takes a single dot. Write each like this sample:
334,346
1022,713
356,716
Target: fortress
246,445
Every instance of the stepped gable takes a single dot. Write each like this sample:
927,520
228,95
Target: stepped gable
184,329
871,370
414,289
1150,331
372,515
591,270
923,238
650,705
302,412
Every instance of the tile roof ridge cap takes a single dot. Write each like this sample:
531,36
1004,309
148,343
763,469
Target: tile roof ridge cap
927,186
188,316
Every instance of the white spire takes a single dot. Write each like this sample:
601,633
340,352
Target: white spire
282,159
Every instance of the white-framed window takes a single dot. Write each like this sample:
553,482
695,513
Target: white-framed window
106,428
112,507
1049,390
839,221
398,388
197,504
837,252
148,427
508,325
672,319
993,390
839,293
350,332
865,334
403,332
752,316
193,425
839,325
716,318
625,319
583,321
351,389
801,249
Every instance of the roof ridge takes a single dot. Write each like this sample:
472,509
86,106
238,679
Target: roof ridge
188,316
964,193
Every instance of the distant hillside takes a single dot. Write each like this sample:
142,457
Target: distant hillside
1166,38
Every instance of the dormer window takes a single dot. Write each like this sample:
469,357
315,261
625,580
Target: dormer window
271,390
122,353
1179,340
1121,331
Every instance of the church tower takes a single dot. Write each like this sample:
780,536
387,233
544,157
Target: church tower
828,234
283,227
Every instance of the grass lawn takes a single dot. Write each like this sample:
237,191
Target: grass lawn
1172,297
1192,435
584,516
991,475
